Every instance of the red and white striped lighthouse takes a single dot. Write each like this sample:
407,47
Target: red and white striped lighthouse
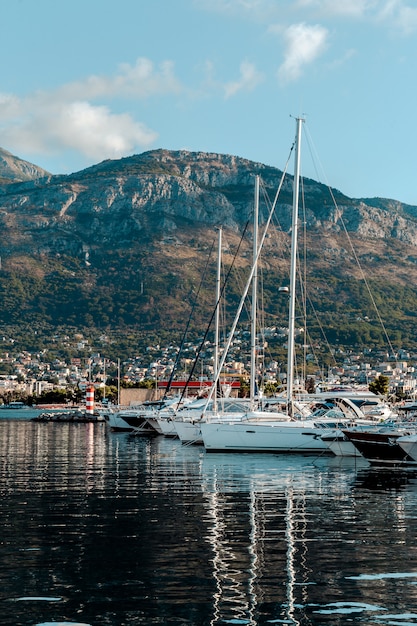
89,399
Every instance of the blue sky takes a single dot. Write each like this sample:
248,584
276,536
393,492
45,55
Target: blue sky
86,80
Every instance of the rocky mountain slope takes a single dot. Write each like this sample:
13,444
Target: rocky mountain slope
13,169
124,243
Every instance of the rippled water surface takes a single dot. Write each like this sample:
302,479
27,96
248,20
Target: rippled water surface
100,528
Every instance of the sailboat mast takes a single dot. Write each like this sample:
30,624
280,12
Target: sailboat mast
217,316
293,267
254,295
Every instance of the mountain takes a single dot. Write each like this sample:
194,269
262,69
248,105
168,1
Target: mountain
13,169
123,245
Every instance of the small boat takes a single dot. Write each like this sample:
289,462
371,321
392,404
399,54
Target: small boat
128,420
166,425
142,418
14,405
409,444
380,446
339,444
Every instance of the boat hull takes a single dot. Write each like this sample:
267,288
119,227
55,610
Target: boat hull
379,448
167,427
188,432
129,422
275,438
409,444
340,445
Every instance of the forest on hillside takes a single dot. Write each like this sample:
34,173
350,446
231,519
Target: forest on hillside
136,313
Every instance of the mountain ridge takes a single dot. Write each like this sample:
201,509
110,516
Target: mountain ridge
15,169
123,242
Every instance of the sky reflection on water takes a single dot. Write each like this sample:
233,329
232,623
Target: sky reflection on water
100,528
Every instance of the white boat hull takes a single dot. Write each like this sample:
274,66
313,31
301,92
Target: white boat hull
342,447
118,424
188,432
246,437
167,427
409,444
154,423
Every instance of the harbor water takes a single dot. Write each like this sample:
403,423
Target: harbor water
99,528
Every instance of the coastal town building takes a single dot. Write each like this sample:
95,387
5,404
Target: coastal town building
24,374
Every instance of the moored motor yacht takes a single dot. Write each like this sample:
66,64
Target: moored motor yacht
138,417
380,445
409,444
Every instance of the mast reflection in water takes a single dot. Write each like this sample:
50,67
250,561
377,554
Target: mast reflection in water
100,528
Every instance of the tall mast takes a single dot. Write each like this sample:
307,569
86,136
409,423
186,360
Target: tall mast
254,295
217,316
293,267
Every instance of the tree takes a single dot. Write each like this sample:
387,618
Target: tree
271,388
380,385
310,385
244,388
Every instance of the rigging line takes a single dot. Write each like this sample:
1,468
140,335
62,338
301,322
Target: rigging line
336,206
322,330
303,278
242,300
238,274
222,306
303,281
261,331
281,242
364,278
365,281
211,321
171,378
314,352
223,309
305,298
238,280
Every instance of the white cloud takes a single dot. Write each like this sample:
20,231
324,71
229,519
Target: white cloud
398,14
141,80
67,118
249,78
237,6
48,127
338,62
348,8
95,131
303,45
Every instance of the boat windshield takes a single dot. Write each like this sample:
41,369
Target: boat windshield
327,413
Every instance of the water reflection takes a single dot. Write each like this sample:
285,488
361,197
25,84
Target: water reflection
259,535
104,529
386,479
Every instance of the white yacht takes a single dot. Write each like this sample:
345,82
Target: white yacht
259,431
263,431
141,418
187,421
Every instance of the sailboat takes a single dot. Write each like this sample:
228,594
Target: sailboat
278,431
